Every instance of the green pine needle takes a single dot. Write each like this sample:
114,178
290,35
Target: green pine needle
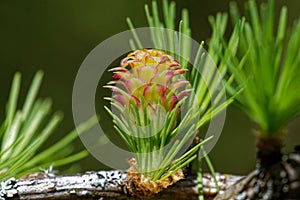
270,67
25,131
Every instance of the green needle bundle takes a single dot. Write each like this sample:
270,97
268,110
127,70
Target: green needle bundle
24,132
159,95
267,67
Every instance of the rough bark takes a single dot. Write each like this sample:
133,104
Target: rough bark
102,185
270,180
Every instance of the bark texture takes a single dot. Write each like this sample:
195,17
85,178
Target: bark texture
271,180
102,185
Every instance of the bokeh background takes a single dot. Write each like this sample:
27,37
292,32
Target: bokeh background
56,36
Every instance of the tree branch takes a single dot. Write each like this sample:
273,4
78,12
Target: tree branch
101,185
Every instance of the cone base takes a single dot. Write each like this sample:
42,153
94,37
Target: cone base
141,186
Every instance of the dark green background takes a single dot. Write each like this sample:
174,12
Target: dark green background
56,36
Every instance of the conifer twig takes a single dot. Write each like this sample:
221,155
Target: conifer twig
101,184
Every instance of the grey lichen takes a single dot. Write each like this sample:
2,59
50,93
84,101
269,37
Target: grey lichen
109,179
8,189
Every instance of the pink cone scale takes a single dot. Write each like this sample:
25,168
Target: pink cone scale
148,78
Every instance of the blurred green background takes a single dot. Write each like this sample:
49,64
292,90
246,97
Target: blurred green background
56,36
